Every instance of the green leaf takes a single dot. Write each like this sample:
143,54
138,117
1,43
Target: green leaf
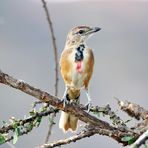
4,122
43,109
129,139
15,138
145,146
14,125
16,135
29,126
32,112
18,131
37,121
98,114
2,139
14,122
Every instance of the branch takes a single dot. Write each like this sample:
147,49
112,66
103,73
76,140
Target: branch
81,135
21,122
116,120
54,45
23,126
48,98
21,134
115,133
56,63
141,127
89,131
133,110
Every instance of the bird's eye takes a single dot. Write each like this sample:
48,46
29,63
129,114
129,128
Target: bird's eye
81,31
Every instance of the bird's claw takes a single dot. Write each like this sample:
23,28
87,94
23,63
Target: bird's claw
88,106
64,101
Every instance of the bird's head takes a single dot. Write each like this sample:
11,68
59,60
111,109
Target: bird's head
80,34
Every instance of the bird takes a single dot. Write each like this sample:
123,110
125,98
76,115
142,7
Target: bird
76,66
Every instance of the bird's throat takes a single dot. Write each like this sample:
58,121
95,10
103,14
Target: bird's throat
79,55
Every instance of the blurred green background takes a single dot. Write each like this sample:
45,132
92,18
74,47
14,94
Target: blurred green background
120,50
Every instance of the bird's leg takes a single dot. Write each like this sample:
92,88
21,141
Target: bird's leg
89,103
64,98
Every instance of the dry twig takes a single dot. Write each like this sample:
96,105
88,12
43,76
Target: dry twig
56,64
116,120
133,110
82,134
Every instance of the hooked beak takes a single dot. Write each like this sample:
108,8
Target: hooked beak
93,30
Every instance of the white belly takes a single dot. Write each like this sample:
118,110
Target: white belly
78,77
77,80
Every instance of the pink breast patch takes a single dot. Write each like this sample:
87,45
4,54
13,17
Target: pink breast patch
79,67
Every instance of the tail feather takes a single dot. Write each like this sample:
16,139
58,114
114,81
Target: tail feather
64,121
73,122
69,121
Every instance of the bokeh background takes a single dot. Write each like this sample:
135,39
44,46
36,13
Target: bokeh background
120,50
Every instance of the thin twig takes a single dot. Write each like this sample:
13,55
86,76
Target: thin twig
21,124
141,140
133,110
6,129
56,64
54,45
116,120
74,138
142,126
36,103
50,127
21,134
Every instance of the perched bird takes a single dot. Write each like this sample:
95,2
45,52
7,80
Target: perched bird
76,65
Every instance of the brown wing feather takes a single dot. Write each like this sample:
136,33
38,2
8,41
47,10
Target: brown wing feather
65,65
89,65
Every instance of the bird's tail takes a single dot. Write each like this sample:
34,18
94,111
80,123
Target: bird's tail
69,121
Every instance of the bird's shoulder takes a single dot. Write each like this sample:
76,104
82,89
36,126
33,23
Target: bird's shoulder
66,52
89,52
65,57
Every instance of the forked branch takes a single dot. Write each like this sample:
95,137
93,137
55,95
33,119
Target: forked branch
116,133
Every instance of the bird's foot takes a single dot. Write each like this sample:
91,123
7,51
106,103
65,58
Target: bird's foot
65,102
88,106
75,102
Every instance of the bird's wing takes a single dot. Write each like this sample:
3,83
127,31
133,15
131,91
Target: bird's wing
66,65
89,65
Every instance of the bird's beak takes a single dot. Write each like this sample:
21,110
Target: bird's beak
96,29
93,30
